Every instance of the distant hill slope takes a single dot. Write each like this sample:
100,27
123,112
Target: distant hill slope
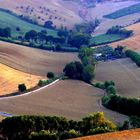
43,10
34,61
64,13
14,22
132,42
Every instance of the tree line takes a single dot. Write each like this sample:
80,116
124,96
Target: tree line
120,31
82,71
53,128
134,56
5,32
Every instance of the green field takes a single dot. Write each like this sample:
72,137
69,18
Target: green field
105,38
9,20
124,12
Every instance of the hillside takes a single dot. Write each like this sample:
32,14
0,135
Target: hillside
122,135
132,42
34,61
43,10
11,78
68,13
61,99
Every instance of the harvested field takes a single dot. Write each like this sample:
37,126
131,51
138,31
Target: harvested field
61,99
34,61
124,73
132,42
10,78
122,135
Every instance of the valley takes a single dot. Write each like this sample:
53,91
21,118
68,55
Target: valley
62,60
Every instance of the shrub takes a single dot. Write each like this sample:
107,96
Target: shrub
43,135
22,87
134,56
70,134
74,70
50,75
111,90
88,73
128,106
100,85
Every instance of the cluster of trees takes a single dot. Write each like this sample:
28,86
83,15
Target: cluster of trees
5,32
82,71
88,27
134,56
107,52
67,39
53,128
120,31
128,106
108,86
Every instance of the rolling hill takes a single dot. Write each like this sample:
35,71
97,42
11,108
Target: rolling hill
68,13
34,61
61,99
132,42
43,10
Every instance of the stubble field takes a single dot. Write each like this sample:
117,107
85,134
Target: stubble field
124,73
69,98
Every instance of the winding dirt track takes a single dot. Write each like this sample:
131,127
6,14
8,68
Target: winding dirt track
70,98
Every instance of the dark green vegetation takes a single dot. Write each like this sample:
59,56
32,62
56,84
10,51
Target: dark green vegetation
108,53
88,27
108,86
105,39
128,106
113,34
22,87
46,82
82,71
134,56
54,128
50,75
124,12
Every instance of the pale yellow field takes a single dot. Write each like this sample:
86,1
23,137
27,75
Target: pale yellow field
10,78
132,42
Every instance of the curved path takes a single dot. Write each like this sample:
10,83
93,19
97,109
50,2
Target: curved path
69,98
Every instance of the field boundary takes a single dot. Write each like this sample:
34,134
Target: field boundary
31,92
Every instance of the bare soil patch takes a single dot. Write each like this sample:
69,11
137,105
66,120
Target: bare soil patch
32,60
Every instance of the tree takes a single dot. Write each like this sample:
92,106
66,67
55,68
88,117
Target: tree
22,87
50,75
49,24
77,40
73,70
31,35
95,121
88,73
85,52
111,90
